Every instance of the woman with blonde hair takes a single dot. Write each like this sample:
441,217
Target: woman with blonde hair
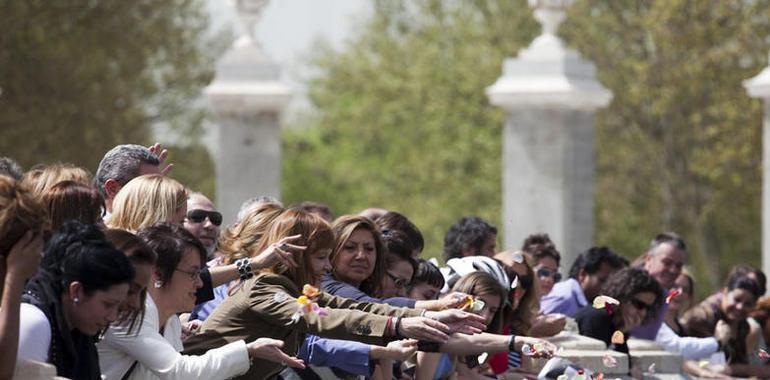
147,200
269,305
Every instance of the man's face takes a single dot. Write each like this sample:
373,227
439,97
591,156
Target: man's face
592,283
664,264
488,249
205,229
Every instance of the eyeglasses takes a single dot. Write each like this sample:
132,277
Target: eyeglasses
545,272
198,216
641,305
400,282
194,275
525,281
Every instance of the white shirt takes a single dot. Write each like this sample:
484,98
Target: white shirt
689,347
34,334
158,355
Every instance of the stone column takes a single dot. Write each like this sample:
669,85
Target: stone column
550,94
759,87
248,98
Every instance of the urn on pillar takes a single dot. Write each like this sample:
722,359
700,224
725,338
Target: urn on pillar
550,95
248,97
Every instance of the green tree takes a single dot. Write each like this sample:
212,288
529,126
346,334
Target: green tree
403,122
79,77
679,147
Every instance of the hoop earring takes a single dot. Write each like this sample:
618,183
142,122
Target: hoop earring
158,284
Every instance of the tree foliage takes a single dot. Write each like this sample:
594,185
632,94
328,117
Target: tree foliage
78,77
403,120
679,147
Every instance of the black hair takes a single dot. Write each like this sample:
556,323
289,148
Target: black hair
745,283
79,252
396,221
399,248
745,270
170,241
468,232
540,246
592,259
427,273
624,284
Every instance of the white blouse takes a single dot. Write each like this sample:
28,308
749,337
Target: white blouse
158,355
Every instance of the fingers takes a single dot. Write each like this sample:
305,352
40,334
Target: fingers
167,169
409,342
437,325
271,342
285,257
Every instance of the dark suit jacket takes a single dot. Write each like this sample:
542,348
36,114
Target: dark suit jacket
253,312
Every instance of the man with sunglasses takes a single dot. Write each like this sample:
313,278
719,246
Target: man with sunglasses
589,272
203,221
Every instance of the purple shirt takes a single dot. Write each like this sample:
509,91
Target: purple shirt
566,297
649,330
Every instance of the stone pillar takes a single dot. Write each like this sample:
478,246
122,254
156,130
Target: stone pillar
247,97
550,94
759,87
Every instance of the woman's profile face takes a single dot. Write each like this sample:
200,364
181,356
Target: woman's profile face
96,312
634,311
185,281
682,284
355,262
737,304
319,264
397,278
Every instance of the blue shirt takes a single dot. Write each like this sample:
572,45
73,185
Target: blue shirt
566,297
345,290
346,355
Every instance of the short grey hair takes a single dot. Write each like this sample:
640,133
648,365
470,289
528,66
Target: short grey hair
671,238
252,202
9,167
122,164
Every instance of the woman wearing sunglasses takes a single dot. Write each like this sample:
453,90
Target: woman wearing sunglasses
639,296
546,260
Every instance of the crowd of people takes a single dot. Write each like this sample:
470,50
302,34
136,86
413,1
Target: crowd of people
131,275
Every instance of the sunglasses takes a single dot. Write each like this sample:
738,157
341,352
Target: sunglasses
641,305
525,282
400,282
199,216
545,272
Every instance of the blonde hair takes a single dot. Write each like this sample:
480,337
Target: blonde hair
43,178
147,200
20,211
241,239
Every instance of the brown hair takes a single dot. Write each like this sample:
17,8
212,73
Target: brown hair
241,239
343,228
68,200
20,211
315,233
521,319
43,178
482,283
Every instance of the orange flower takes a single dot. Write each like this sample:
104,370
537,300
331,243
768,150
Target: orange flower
310,291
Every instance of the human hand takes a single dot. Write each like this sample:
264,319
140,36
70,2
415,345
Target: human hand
270,349
422,328
398,350
162,154
723,332
459,321
548,325
191,328
278,253
534,347
23,260
454,300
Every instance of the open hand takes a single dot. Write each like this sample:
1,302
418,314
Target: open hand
278,253
162,154
459,321
422,328
270,349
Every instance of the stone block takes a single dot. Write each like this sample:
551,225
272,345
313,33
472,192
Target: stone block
572,341
665,362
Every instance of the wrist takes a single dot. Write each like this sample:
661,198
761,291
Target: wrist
512,344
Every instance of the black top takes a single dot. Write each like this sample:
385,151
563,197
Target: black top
72,352
598,324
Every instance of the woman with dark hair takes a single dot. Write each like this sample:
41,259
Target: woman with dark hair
70,200
546,260
272,304
427,282
152,352
23,221
727,321
394,221
639,296
75,295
